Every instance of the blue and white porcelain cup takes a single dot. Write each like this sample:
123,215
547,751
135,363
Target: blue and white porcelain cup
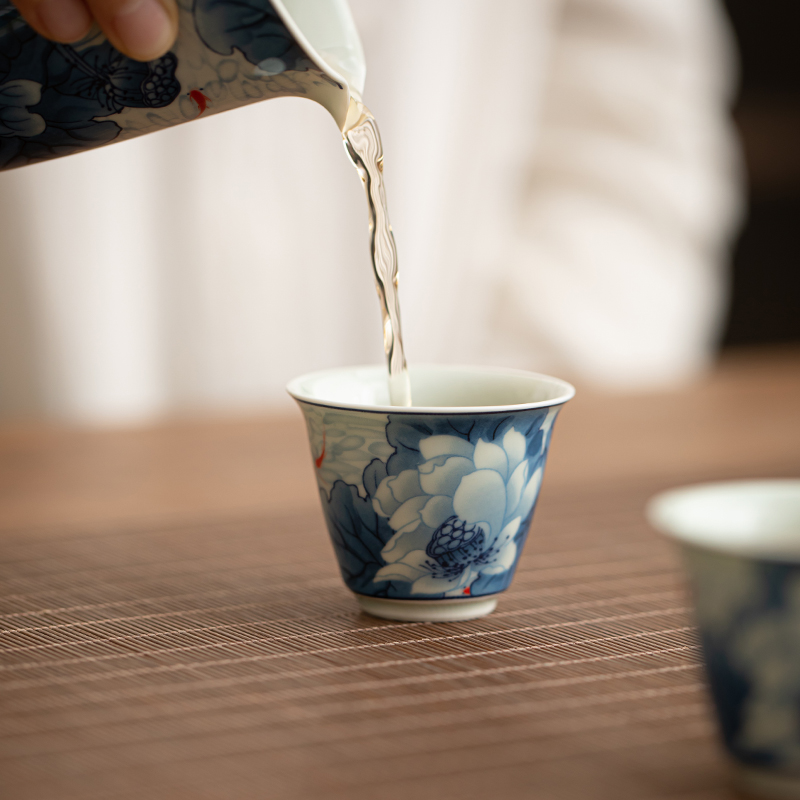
741,544
429,506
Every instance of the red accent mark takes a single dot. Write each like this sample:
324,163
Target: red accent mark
200,100
467,590
318,461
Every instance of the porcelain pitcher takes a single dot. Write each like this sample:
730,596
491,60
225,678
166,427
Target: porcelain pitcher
58,99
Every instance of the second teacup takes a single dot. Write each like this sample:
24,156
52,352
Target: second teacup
741,544
428,507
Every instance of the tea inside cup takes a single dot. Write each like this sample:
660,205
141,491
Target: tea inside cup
428,506
741,545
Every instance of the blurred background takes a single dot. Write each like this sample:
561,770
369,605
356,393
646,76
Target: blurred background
765,297
567,187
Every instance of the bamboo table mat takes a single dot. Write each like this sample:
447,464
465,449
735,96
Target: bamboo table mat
225,659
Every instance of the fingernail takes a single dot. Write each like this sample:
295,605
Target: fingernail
64,20
144,29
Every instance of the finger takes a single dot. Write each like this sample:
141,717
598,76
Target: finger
142,29
60,20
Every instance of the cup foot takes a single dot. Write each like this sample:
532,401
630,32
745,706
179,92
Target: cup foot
428,610
765,783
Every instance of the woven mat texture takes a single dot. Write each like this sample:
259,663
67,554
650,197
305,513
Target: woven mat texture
225,659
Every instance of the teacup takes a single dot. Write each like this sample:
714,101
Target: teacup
429,506
741,543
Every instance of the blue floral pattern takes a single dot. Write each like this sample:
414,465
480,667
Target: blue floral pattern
16,98
57,99
251,26
749,617
442,505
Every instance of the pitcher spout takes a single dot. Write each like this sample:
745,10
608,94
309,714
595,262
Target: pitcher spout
327,33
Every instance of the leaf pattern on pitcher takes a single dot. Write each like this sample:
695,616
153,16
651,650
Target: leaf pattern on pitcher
57,99
252,27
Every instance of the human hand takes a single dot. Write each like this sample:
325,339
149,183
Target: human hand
141,29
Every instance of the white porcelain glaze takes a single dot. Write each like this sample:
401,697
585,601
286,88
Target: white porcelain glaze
434,389
760,518
427,610
327,32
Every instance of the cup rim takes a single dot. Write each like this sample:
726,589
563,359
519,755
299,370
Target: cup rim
661,514
567,391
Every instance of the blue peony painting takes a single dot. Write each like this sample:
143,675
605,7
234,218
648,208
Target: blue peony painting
428,506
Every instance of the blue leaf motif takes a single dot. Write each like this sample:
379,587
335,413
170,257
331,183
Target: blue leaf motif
53,97
57,140
111,80
358,535
15,118
374,473
251,26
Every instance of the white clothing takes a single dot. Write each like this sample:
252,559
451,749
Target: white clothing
562,180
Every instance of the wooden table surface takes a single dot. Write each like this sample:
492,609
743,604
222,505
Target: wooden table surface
174,626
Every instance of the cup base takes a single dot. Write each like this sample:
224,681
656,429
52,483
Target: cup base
765,783
428,610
